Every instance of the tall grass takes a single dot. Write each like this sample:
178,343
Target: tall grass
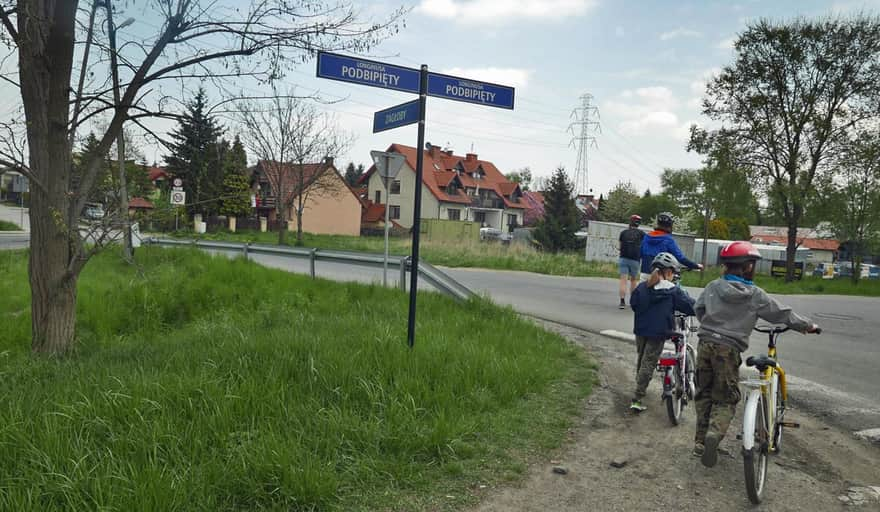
203,383
9,226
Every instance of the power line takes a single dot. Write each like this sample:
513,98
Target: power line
588,127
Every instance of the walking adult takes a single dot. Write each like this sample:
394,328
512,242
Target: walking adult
630,253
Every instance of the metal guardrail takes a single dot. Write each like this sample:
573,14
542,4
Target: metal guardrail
434,276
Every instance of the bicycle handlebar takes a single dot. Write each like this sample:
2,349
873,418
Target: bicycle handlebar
774,329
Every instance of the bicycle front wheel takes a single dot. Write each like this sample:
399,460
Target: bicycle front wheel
755,459
675,399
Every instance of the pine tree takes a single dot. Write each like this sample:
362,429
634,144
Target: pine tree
352,173
236,185
194,154
556,231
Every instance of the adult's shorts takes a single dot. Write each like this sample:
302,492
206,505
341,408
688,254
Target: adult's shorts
629,267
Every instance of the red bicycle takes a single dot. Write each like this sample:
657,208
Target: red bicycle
678,366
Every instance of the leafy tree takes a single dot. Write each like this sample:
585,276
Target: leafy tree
791,96
854,198
556,231
652,204
192,41
601,207
621,203
522,176
195,155
718,230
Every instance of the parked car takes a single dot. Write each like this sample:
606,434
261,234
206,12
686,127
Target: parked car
487,234
93,211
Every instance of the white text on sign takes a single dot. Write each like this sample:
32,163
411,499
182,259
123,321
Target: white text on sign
371,73
470,90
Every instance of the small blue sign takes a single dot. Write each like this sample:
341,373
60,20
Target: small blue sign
396,116
367,72
470,91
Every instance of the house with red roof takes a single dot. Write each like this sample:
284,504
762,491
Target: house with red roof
331,206
823,248
453,188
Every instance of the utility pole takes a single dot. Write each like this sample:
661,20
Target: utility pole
584,129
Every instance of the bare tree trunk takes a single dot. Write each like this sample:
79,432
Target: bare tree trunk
299,220
281,213
790,250
45,65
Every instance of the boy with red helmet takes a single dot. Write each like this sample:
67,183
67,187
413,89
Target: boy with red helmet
728,310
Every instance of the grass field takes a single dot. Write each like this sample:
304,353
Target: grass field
204,383
8,226
518,257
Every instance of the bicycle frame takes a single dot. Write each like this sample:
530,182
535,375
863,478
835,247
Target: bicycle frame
764,389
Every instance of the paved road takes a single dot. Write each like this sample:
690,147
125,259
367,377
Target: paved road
16,215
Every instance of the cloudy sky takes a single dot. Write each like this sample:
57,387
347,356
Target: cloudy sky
643,61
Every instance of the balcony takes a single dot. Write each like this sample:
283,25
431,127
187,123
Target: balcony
495,204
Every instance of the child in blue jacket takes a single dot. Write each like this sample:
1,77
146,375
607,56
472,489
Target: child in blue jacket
654,303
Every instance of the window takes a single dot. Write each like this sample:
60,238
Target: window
480,217
394,212
395,187
511,220
378,197
454,214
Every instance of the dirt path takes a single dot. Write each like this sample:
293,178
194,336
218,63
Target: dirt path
818,464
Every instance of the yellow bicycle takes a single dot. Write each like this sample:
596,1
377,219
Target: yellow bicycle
764,414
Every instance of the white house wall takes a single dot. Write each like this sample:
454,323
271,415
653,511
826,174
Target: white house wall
406,199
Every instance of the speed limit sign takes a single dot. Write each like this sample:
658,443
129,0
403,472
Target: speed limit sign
178,198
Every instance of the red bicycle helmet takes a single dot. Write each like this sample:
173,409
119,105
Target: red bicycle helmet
635,220
739,252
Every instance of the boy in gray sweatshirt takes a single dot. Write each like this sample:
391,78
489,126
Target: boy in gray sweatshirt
728,310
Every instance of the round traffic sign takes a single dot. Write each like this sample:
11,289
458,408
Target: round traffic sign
177,198
178,182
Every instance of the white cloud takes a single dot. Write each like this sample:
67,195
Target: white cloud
652,120
679,32
499,11
518,78
655,94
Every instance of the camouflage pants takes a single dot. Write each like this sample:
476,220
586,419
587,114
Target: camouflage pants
717,388
649,353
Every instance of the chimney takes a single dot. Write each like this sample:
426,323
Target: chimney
470,157
433,151
448,152
328,160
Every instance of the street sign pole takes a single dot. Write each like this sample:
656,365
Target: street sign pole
387,220
417,213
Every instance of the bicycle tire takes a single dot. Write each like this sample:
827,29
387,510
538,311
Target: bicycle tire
780,417
755,460
675,400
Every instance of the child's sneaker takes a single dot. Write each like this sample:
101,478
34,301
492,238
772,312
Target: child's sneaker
698,449
710,453
622,304
637,406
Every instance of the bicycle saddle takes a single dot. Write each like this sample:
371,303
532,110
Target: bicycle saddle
761,362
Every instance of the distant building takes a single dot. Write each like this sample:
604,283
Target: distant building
461,188
822,247
331,206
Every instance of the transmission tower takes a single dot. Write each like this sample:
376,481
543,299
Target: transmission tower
584,129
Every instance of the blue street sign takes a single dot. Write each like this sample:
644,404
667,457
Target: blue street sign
470,91
396,116
367,72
